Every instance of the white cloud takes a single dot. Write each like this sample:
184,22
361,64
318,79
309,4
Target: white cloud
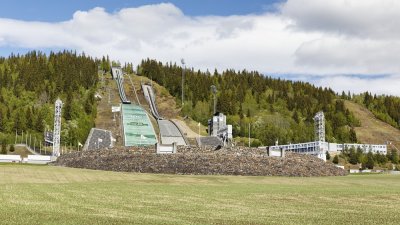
315,37
361,18
379,85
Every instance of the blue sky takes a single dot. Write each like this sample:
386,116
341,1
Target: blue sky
61,10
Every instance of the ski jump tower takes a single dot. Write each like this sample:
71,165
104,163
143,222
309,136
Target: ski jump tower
57,128
319,125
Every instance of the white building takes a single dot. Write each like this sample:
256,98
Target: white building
381,149
319,148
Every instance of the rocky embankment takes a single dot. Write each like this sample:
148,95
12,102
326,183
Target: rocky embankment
195,160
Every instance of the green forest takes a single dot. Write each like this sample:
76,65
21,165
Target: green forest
274,109
384,107
31,83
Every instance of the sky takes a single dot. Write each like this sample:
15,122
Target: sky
348,45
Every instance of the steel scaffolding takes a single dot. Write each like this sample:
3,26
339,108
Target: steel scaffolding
319,125
57,128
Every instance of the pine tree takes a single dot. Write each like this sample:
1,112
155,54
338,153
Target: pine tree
353,135
353,157
394,156
4,147
370,161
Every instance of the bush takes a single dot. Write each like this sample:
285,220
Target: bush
335,159
12,148
328,156
255,143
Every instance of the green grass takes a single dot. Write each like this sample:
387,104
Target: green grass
56,195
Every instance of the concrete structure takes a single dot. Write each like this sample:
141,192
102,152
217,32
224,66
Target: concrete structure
166,149
10,158
38,159
99,139
317,148
169,131
217,127
209,141
117,74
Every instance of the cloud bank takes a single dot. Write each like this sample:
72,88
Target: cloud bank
330,39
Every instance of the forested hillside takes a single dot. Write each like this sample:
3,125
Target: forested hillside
31,83
384,107
275,109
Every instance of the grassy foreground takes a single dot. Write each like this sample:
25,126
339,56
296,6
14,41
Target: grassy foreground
53,195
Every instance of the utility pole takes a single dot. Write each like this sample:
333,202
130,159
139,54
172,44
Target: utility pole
183,79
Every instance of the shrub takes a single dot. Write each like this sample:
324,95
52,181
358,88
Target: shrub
12,148
335,159
328,156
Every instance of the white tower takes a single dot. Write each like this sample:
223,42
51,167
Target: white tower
319,126
57,128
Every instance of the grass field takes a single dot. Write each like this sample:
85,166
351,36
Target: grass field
53,195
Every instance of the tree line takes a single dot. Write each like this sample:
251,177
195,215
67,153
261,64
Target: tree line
367,160
30,84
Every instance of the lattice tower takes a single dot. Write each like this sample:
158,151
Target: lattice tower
319,126
57,128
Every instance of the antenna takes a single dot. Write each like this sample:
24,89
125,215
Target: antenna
57,128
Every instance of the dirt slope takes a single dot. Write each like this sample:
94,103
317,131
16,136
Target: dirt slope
372,130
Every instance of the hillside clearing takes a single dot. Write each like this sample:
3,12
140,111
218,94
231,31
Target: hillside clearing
372,130
56,195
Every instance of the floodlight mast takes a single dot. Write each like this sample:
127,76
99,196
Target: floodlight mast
214,91
57,128
183,79
319,126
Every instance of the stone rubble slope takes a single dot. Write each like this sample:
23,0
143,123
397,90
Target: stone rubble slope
204,161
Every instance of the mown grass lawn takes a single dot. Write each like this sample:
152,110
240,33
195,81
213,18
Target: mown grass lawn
54,195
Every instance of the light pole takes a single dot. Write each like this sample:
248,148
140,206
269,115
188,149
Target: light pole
199,131
214,91
249,135
183,79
